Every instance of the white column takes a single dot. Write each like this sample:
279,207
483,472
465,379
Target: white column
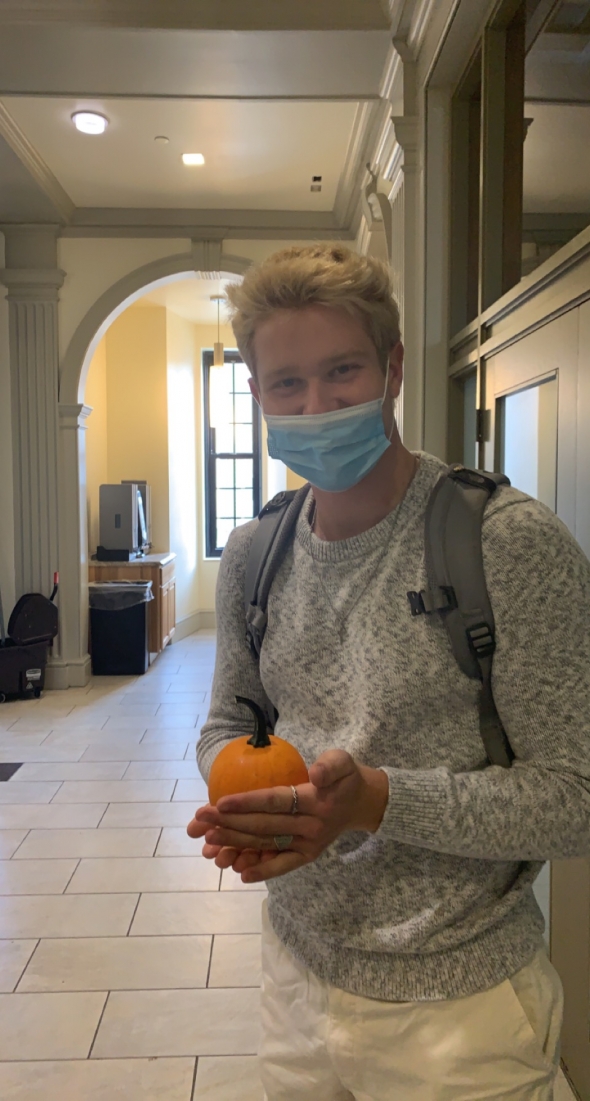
33,281
73,541
407,134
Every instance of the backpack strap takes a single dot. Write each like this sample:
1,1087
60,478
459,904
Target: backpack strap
458,593
272,537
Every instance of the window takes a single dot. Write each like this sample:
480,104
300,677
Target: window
232,450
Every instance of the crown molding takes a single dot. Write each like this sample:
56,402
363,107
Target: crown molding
203,224
231,15
367,125
35,165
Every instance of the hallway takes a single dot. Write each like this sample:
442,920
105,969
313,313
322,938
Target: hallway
125,953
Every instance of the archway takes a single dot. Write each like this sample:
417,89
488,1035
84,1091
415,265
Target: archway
205,260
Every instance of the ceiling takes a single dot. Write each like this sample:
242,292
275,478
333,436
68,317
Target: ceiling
557,159
268,109
190,298
258,155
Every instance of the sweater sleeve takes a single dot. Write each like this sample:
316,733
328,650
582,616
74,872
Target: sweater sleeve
538,581
236,668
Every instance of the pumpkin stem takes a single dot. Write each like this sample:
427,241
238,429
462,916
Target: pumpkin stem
260,738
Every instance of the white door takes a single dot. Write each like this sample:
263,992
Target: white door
538,404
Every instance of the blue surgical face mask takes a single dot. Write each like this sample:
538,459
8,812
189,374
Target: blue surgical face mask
334,451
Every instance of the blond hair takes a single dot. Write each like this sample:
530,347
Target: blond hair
324,275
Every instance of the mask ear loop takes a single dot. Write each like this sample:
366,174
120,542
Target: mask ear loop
393,406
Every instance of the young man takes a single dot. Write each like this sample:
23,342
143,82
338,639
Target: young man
402,944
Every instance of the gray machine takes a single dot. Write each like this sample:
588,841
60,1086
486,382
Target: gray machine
122,522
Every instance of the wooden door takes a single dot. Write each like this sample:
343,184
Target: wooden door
538,402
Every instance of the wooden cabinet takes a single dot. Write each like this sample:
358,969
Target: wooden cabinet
160,570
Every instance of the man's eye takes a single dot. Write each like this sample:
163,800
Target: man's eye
345,368
287,383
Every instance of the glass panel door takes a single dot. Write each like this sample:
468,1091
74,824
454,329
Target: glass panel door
527,438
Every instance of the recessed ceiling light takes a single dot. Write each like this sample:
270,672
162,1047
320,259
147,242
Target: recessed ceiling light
89,122
193,158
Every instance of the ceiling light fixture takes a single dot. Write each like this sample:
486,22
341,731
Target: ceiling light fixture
90,122
162,139
193,158
218,351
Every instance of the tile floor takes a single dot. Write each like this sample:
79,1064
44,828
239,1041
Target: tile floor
129,965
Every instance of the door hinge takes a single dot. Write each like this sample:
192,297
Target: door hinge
482,425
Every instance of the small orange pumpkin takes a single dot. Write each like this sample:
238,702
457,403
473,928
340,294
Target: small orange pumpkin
250,764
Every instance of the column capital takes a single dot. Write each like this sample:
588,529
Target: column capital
407,135
73,416
32,284
207,256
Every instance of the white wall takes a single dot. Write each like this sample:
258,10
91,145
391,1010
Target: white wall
7,586
182,460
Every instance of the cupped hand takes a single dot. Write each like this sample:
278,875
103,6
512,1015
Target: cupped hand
239,831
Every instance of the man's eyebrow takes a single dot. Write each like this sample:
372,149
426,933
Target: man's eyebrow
341,357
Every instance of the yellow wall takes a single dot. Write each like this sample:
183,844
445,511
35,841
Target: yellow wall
182,459
145,385
96,439
137,424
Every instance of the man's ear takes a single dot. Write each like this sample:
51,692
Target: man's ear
254,390
396,369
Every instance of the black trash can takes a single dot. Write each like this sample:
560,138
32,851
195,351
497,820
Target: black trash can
119,627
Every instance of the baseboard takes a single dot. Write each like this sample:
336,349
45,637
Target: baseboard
61,674
196,621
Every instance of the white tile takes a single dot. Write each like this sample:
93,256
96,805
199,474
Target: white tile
168,735
137,709
230,1078
176,842
112,750
165,721
163,770
48,1026
115,791
232,881
52,844
51,816
188,790
67,739
106,770
20,736
42,753
35,877
27,793
14,957
235,960
175,873
128,722
179,1022
119,963
10,841
66,915
99,1080
121,815
35,726
180,708
200,914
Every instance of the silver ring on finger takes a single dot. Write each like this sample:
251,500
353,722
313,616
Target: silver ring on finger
295,807
283,841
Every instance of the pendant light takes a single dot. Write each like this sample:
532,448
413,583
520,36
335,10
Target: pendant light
218,352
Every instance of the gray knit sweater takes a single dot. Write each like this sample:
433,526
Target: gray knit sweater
438,903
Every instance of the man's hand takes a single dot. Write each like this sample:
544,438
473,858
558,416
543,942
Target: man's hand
341,795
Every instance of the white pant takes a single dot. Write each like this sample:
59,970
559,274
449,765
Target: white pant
321,1043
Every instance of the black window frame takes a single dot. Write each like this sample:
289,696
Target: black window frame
212,550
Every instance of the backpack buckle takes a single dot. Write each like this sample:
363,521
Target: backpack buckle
482,640
474,478
426,602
